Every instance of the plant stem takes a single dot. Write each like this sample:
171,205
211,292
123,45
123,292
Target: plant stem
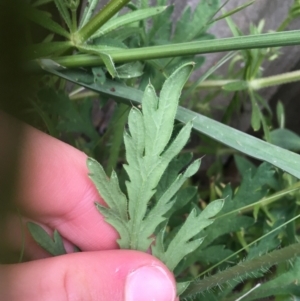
101,18
275,80
286,38
243,269
255,84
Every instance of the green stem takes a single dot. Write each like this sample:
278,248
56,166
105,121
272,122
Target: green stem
101,18
275,80
243,269
213,84
255,84
287,38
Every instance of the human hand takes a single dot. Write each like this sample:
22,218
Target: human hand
53,190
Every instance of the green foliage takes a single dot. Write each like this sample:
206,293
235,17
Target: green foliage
113,54
149,152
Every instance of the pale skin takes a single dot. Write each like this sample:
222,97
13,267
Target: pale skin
53,189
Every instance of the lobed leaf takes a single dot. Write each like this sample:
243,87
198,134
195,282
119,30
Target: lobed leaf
54,246
182,244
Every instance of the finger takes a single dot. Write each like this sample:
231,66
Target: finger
53,189
118,275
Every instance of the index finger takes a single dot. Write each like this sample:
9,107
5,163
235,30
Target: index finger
53,188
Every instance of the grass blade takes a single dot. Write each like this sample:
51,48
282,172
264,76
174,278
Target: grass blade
254,147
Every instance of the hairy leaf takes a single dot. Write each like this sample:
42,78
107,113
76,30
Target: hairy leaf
149,150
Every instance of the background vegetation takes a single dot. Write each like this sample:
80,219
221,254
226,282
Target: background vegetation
87,68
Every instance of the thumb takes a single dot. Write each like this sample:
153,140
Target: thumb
116,275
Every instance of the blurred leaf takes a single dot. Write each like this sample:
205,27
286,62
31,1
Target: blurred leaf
185,27
90,6
99,75
130,70
128,18
71,117
54,246
42,18
255,116
280,114
285,139
243,165
64,12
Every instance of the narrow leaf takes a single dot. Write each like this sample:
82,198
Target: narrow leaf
43,19
88,11
128,18
64,12
284,159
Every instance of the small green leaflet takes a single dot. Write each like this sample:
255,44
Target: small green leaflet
54,246
182,244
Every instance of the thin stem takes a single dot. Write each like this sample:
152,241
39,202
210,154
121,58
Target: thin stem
255,84
275,80
287,38
213,84
100,18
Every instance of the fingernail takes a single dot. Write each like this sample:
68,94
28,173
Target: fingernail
149,283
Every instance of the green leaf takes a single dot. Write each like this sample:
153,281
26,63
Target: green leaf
74,117
285,139
54,246
99,75
280,114
128,18
64,12
181,287
245,269
130,70
256,114
110,191
261,150
182,244
42,18
284,284
145,165
202,16
109,64
90,6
